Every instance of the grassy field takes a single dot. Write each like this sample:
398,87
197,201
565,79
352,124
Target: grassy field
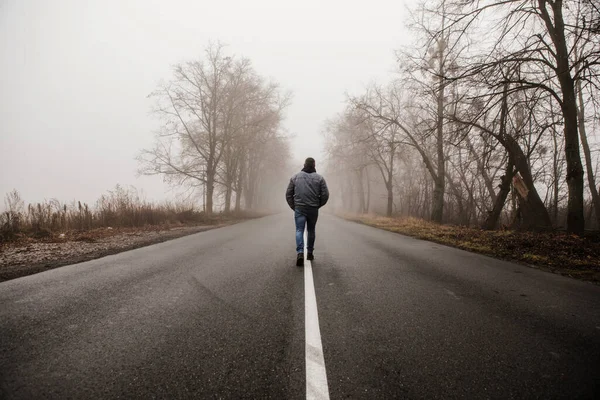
556,252
119,209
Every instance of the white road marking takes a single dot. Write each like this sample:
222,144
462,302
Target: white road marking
316,375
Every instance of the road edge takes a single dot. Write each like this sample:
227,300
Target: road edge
544,268
31,269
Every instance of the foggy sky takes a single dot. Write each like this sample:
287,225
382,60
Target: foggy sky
74,76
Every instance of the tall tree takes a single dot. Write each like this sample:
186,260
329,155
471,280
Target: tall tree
207,109
536,39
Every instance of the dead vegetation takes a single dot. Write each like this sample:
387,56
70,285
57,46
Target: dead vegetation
566,254
119,208
42,236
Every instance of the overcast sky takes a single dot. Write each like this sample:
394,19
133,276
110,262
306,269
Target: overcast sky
74,76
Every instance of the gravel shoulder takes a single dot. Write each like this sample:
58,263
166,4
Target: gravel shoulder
29,256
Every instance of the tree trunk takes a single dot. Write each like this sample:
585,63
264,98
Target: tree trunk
462,215
588,157
228,193
210,188
368,205
238,201
483,171
556,28
532,209
361,189
390,181
241,174
250,190
534,213
390,199
491,221
575,219
211,171
555,172
437,211
238,196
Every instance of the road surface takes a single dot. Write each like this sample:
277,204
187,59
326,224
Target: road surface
221,314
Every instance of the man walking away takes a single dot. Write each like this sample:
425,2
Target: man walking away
306,193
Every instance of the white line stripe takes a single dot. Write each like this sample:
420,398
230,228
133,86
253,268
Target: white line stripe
316,375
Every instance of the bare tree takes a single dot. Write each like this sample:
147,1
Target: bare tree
535,51
254,122
349,157
211,110
483,121
388,109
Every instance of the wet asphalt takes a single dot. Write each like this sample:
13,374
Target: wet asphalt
220,315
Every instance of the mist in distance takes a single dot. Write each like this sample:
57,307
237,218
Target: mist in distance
449,111
76,76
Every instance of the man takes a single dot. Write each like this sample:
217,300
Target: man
306,193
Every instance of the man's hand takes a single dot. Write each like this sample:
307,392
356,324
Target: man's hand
289,194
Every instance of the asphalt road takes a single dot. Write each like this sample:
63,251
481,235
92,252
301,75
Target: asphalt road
220,314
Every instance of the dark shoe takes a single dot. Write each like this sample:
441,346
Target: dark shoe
310,257
300,260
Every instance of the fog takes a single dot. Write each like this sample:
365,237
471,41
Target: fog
75,77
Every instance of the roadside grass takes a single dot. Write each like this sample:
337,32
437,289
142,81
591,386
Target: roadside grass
40,236
95,234
119,210
569,255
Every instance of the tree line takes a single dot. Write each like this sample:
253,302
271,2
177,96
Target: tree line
485,122
220,132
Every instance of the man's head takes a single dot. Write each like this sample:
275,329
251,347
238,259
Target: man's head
309,163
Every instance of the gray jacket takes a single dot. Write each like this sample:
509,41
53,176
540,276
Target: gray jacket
307,190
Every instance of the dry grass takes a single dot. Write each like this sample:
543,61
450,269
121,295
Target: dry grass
557,252
118,209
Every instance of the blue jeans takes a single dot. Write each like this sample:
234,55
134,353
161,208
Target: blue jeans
306,218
